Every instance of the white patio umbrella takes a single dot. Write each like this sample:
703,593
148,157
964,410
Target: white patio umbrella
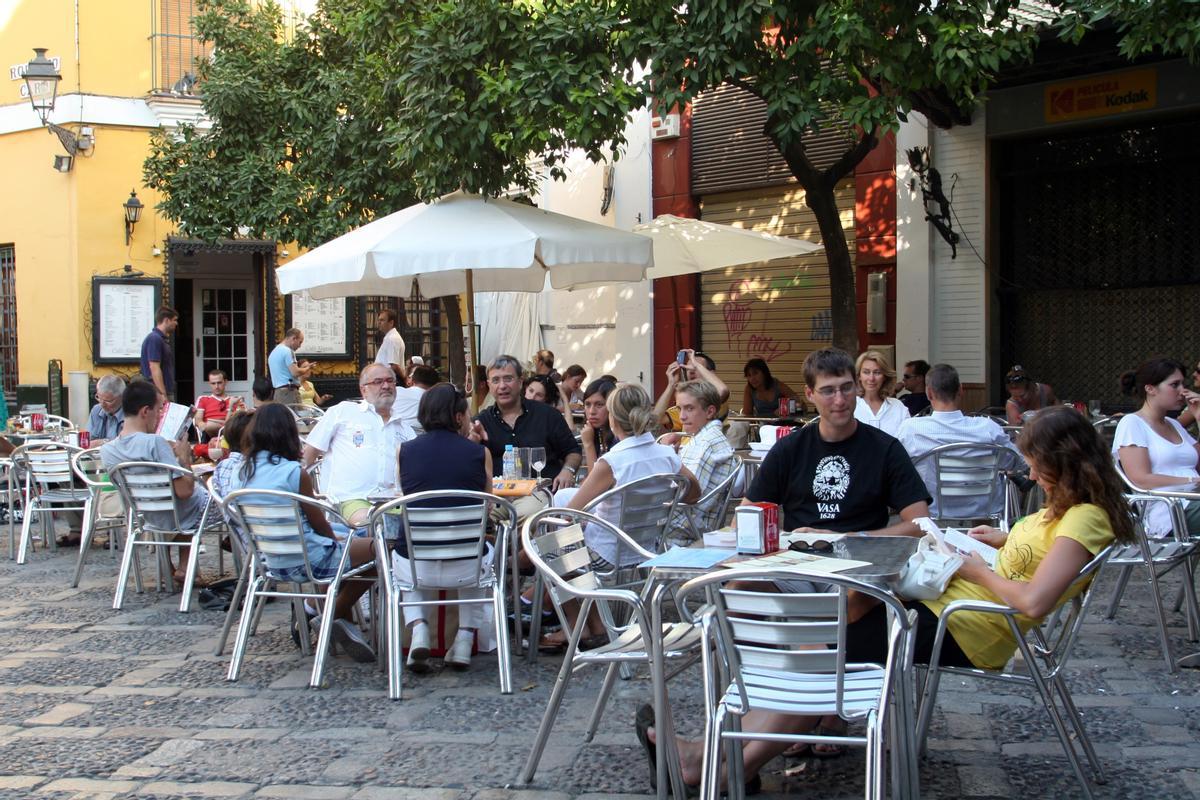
466,243
685,246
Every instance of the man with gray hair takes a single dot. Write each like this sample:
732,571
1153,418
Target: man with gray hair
107,418
948,425
513,420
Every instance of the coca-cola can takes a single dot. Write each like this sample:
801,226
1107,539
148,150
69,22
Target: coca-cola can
783,407
85,440
782,431
37,422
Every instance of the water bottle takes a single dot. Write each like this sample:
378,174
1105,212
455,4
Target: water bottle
509,469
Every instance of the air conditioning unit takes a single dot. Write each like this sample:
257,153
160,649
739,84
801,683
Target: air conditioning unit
666,127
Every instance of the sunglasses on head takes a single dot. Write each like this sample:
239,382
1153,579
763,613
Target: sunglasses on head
817,546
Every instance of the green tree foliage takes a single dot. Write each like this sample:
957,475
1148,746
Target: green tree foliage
292,153
1169,27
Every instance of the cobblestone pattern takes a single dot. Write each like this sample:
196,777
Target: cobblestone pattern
96,703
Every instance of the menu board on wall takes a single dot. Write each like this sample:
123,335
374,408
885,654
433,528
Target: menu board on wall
122,314
326,326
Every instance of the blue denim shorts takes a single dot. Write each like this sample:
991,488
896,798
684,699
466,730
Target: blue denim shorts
324,566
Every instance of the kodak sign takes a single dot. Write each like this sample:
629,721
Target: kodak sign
1101,95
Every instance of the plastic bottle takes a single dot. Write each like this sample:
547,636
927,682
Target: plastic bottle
510,463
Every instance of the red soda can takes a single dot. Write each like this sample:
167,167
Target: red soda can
782,431
783,407
85,440
37,422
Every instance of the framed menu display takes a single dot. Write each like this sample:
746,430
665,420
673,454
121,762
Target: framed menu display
122,314
326,326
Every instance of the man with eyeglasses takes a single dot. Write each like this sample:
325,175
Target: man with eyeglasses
107,418
838,475
521,423
360,440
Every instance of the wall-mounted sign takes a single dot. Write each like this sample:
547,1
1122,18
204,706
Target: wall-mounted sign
1101,95
326,326
122,314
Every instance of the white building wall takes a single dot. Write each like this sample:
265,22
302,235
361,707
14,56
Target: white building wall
914,288
958,318
606,329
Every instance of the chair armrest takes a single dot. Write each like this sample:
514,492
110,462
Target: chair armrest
982,606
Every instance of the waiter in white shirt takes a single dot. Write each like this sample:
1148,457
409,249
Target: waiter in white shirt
391,348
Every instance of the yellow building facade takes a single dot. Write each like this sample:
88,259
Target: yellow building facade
127,69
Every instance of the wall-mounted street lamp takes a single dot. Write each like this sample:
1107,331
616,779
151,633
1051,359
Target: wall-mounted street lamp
41,78
133,212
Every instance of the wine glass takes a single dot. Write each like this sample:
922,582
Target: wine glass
537,458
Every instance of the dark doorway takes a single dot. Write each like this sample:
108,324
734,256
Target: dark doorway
1097,253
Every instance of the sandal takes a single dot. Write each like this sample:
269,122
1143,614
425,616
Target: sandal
643,721
820,750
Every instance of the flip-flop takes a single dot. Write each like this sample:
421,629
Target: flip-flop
643,722
830,750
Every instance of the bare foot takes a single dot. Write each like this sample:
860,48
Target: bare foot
691,755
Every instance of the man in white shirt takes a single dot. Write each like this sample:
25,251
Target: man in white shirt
408,398
391,348
948,425
360,440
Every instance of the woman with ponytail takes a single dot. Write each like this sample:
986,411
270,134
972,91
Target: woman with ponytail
635,455
1153,448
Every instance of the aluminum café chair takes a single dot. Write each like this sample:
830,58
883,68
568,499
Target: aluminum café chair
970,474
1159,557
245,566
722,496
49,486
643,514
1045,650
440,533
10,496
274,525
554,541
89,469
784,653
149,487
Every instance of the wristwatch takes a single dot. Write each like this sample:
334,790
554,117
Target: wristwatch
572,470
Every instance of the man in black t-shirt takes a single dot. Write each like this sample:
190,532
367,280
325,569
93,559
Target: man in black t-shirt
836,475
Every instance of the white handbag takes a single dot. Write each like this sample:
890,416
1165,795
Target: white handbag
927,571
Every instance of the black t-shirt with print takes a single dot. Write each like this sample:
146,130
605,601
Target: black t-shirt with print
842,486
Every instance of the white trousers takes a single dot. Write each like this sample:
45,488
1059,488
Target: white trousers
437,575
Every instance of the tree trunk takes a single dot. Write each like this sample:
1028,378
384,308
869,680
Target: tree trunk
843,308
819,186
456,361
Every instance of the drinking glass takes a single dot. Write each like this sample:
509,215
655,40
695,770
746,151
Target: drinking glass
215,451
537,458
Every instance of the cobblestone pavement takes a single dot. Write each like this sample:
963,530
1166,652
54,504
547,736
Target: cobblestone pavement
132,703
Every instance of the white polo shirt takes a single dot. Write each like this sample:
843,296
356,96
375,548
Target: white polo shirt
408,401
360,450
391,349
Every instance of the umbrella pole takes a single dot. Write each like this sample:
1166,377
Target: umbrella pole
470,378
675,309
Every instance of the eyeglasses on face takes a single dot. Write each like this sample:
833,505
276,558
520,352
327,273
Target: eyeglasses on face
379,383
828,392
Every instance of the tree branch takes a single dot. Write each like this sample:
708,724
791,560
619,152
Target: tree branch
850,158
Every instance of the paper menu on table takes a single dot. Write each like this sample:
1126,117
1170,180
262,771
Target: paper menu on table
174,421
688,557
790,559
965,544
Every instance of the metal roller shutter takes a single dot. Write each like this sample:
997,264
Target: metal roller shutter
775,310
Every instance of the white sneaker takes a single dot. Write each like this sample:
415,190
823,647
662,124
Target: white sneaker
459,655
418,648
351,640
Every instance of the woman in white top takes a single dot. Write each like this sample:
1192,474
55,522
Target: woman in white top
876,406
1153,448
635,455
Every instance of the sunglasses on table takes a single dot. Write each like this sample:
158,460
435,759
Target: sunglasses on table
817,546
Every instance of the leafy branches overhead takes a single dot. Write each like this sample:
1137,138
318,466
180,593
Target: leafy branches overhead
292,154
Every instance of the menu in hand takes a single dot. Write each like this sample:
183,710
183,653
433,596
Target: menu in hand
174,421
